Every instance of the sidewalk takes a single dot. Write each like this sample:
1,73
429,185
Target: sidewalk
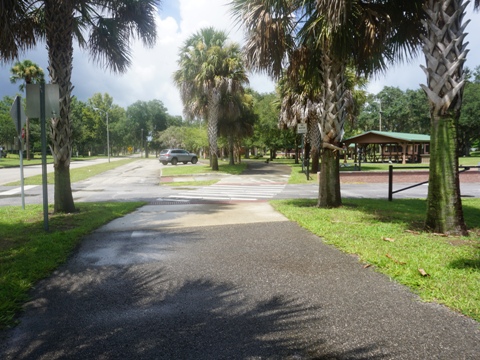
227,281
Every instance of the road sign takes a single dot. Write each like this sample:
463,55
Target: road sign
301,128
18,114
52,102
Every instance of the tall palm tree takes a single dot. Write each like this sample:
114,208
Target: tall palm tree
445,53
17,28
302,34
104,27
209,71
29,73
302,103
237,121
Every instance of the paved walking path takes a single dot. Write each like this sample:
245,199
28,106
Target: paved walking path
232,280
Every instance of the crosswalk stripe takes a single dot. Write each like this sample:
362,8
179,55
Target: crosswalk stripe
17,190
245,192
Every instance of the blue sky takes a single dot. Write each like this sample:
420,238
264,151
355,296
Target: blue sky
150,76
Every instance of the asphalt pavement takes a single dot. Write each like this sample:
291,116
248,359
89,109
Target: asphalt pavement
226,280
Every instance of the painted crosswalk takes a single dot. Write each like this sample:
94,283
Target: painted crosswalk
17,190
250,191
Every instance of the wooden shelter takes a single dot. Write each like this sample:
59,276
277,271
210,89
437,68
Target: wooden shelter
394,147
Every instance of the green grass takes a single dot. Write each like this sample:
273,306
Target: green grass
13,160
190,183
186,170
361,226
78,174
28,253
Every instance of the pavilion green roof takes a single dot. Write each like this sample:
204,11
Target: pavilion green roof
400,137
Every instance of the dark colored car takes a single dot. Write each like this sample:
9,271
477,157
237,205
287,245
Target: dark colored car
174,156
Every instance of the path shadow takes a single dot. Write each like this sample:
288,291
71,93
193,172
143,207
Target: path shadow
263,168
139,313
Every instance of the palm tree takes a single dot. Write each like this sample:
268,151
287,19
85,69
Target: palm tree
209,71
321,38
302,103
236,121
30,73
445,54
109,26
18,31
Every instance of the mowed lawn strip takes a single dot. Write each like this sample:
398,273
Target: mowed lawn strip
77,174
389,236
28,253
183,170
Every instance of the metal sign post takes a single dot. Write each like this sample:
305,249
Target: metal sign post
42,101
19,119
43,133
302,129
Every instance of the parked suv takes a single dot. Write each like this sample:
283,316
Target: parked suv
177,155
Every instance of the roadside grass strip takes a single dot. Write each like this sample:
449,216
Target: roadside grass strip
28,253
77,174
389,237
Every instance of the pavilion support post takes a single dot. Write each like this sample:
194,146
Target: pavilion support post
404,153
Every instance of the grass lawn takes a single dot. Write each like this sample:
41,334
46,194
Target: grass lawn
189,170
13,160
389,237
28,253
78,174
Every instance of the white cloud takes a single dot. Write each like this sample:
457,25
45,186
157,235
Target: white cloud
150,76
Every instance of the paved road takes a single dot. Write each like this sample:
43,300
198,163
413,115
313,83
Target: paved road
139,181
224,280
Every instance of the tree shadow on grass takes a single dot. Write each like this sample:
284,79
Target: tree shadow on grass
138,312
465,264
405,211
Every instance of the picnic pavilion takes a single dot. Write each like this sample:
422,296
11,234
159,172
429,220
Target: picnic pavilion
381,146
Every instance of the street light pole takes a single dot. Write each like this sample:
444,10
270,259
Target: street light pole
108,139
108,132
380,112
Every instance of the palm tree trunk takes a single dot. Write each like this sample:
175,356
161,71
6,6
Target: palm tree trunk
331,124
212,127
445,54
315,139
59,15
231,150
329,191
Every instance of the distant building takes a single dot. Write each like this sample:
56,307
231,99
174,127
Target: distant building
380,146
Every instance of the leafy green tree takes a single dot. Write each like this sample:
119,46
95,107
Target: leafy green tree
267,133
393,110
79,133
105,28
7,127
469,121
146,118
418,112
191,138
99,108
210,73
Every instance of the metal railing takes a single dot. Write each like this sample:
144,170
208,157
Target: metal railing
390,178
